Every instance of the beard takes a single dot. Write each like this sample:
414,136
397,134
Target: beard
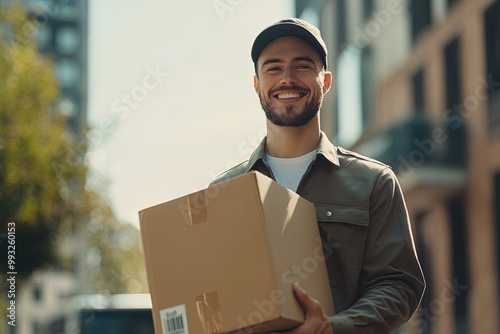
289,117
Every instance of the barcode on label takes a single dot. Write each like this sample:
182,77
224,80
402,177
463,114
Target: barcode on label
173,320
174,325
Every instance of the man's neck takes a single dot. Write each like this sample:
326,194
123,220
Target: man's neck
290,142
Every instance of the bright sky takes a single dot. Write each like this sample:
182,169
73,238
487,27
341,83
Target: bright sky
171,96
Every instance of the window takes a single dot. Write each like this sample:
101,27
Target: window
44,37
349,96
496,199
492,29
492,37
456,129
68,40
452,73
492,34
368,7
342,24
355,94
367,86
68,72
418,91
311,15
424,255
459,250
420,12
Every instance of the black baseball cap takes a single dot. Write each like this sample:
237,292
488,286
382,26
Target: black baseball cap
290,27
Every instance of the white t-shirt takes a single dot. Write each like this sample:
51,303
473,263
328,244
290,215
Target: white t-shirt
288,171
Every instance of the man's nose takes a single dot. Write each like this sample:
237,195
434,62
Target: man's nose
288,77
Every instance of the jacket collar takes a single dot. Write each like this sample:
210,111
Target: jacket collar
325,148
257,155
328,150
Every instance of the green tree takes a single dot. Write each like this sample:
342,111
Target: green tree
114,261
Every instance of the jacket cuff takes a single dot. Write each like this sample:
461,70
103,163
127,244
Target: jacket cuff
342,325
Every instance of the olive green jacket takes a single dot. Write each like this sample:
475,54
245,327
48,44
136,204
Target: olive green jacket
375,277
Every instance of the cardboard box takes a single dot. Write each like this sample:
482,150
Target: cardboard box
222,260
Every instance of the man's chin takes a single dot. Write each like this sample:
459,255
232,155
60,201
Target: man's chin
293,125
290,115
293,122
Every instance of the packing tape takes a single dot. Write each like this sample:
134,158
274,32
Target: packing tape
209,312
197,208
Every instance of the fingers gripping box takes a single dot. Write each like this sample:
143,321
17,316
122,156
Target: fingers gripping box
222,260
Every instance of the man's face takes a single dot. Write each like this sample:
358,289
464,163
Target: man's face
291,81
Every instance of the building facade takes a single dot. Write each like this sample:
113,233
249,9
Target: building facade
417,86
61,35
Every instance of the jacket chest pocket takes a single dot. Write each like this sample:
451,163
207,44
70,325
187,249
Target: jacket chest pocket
343,232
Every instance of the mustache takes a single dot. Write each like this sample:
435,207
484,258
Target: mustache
292,87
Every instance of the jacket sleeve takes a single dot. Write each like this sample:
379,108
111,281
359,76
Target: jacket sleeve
391,281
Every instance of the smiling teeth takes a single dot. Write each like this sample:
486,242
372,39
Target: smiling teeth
288,96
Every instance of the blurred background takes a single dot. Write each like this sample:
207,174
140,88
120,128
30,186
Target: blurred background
109,107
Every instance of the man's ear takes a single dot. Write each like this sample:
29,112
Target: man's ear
256,84
327,81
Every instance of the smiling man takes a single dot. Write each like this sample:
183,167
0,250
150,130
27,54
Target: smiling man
375,277
290,76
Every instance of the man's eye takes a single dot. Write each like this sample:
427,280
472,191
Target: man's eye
271,69
303,67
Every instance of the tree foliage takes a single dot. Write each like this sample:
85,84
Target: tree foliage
114,261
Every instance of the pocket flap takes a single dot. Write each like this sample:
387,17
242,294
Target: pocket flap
342,214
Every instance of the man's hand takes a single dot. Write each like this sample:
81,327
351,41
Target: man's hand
316,321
